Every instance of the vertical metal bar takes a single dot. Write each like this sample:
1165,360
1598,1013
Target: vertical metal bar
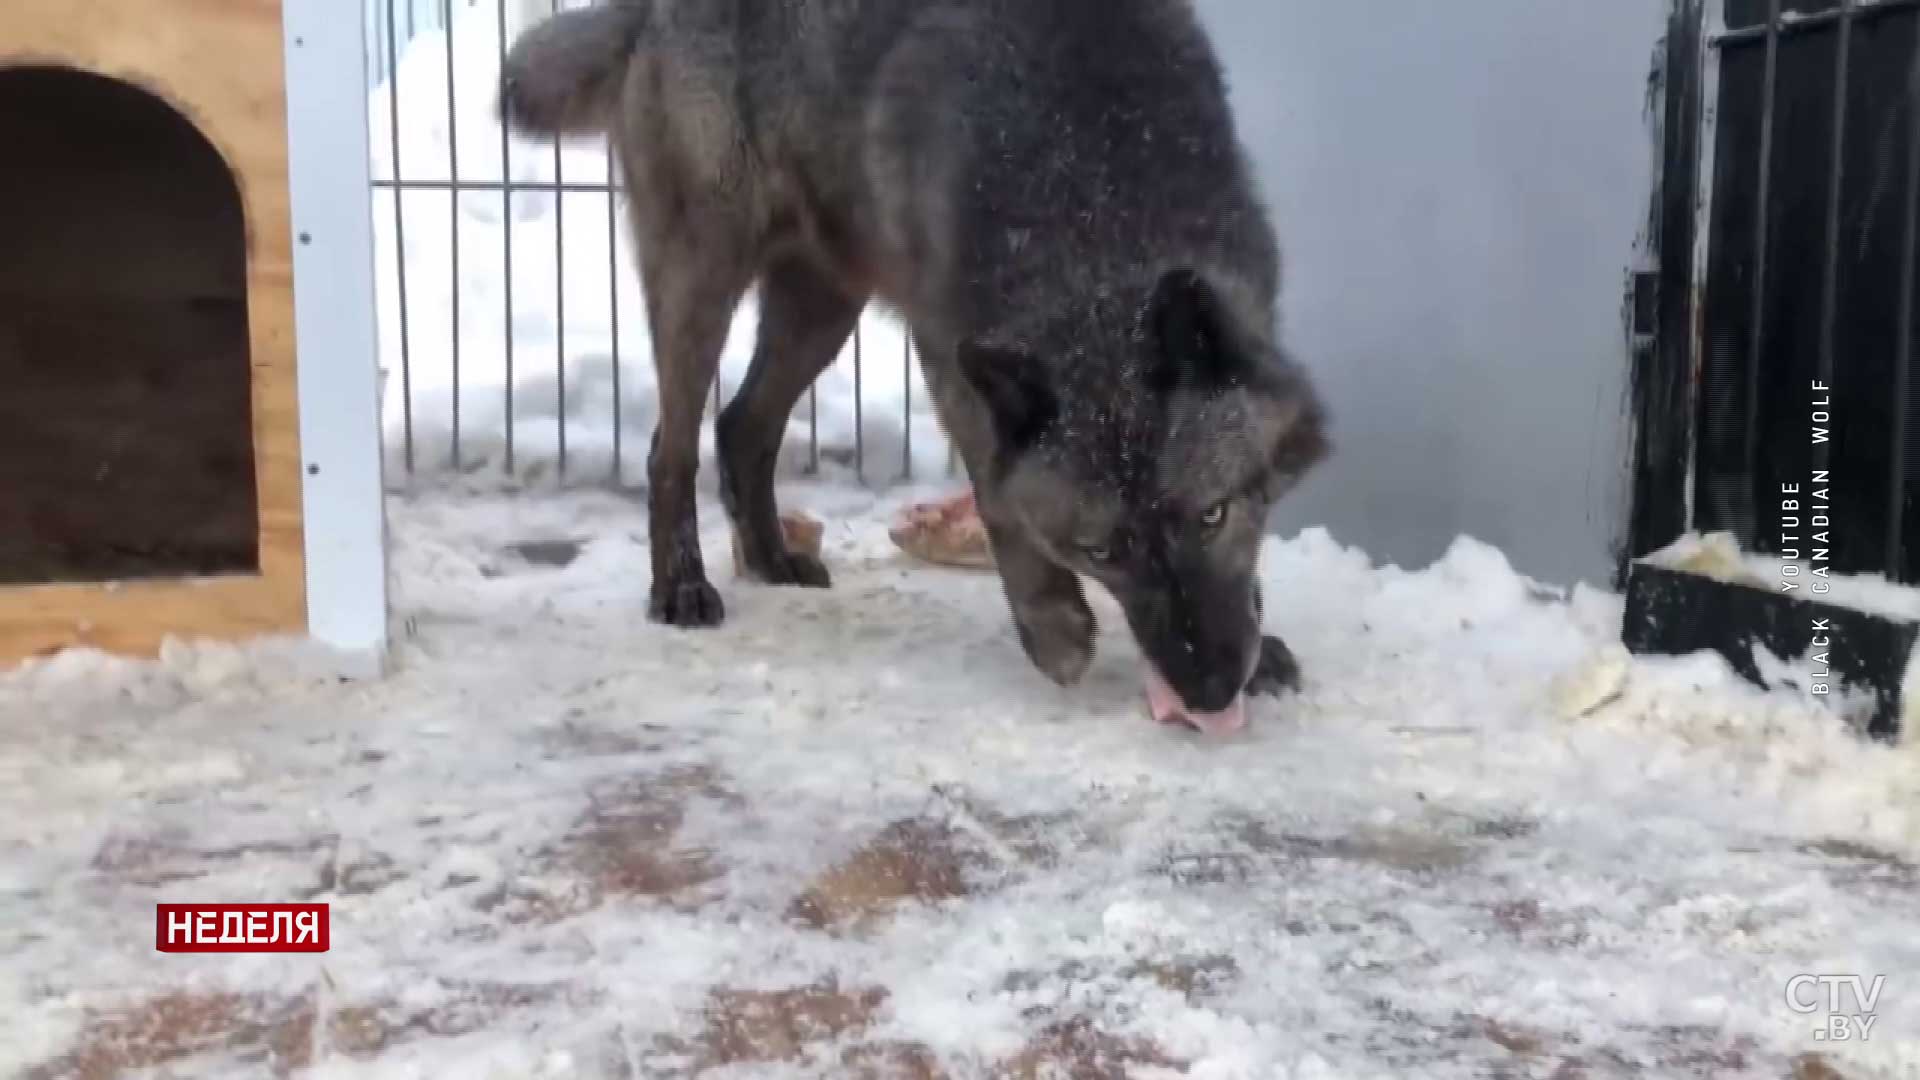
376,47
613,310
813,428
716,371
1756,324
1701,85
559,302
1836,149
453,235
859,427
506,244
1903,358
906,407
400,235
613,306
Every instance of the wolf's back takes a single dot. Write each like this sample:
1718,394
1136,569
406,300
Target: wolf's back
563,76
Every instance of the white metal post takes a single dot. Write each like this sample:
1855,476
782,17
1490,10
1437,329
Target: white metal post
335,333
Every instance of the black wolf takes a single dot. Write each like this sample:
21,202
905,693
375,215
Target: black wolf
1053,195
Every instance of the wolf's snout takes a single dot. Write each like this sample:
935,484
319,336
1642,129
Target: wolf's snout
1169,706
1203,680
1217,686
1207,695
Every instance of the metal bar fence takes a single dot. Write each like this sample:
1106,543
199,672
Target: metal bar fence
1773,22
1901,449
1836,151
1790,23
506,242
392,26
1763,206
453,231
400,227
410,18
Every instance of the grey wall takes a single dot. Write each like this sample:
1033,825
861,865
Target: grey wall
1458,188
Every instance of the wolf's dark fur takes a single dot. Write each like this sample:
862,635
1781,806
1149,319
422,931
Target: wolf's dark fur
1053,195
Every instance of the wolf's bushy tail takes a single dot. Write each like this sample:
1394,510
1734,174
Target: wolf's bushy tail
563,77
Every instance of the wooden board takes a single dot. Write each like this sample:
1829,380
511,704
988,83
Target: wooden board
220,64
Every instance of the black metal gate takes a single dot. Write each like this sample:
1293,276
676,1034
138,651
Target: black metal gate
1774,327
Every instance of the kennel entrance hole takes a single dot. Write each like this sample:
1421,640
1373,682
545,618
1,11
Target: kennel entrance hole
126,427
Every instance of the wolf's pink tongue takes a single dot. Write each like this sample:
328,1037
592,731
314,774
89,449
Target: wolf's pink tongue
1167,708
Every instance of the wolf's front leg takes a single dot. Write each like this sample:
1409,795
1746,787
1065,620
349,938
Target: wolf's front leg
1276,670
1051,614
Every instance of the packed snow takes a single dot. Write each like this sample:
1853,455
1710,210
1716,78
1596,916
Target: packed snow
852,832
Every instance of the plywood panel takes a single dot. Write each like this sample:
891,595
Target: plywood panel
136,618
220,63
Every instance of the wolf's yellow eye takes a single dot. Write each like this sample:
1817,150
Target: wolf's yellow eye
1214,515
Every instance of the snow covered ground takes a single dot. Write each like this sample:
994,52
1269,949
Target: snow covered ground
852,833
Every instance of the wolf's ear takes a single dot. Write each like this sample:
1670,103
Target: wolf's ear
1303,442
1298,423
1014,385
1191,330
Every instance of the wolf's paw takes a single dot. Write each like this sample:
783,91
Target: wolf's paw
795,568
796,553
1277,670
685,603
1058,638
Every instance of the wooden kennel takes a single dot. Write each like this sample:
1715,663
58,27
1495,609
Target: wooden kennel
169,467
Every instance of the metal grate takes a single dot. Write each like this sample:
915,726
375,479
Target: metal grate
394,27
1792,174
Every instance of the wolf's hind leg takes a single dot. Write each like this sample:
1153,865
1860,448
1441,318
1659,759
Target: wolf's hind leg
805,317
694,275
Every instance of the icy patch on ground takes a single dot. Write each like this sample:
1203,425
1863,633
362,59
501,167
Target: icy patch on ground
852,833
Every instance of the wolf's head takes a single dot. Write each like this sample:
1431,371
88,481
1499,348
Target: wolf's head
1142,442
